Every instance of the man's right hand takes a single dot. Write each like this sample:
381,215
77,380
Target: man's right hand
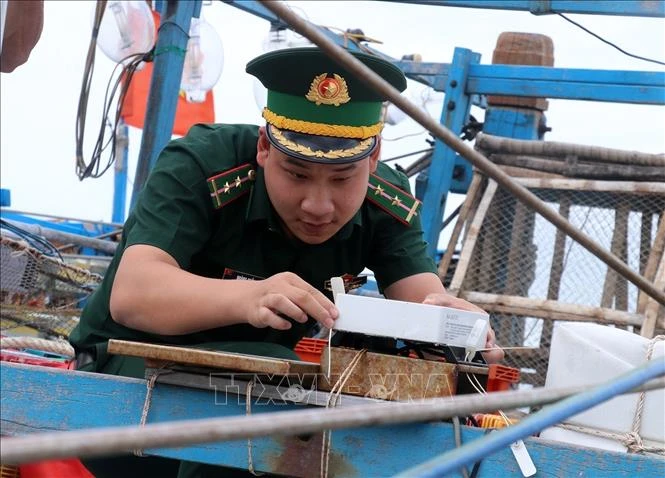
288,295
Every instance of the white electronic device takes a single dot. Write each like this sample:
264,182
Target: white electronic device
410,321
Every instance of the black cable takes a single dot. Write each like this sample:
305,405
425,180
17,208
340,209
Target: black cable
407,155
117,83
36,242
609,42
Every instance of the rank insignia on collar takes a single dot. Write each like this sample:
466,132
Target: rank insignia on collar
326,90
230,185
396,202
350,282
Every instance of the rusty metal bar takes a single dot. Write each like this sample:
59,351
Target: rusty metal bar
356,67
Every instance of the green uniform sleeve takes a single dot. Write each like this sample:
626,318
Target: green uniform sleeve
173,212
398,250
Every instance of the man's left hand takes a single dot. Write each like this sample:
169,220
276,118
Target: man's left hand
494,354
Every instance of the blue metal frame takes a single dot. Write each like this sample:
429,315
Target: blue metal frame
630,8
164,85
454,115
55,398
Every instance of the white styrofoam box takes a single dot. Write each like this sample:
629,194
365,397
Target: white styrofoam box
589,354
410,321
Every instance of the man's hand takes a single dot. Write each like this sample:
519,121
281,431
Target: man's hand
495,354
288,295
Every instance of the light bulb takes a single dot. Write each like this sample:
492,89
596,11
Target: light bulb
279,38
204,61
127,28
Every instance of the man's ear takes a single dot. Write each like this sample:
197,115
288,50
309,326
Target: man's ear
374,157
262,147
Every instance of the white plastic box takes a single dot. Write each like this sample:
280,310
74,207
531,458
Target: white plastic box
411,321
588,354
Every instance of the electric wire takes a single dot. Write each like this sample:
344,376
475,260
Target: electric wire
117,85
609,42
38,243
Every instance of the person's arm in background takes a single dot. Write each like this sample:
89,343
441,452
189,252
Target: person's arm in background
23,24
427,288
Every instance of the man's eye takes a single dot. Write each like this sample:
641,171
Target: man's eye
296,175
341,180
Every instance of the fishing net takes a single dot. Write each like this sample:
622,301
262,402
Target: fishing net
518,255
40,295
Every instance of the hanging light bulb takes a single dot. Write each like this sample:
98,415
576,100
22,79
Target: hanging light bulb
127,28
278,38
204,61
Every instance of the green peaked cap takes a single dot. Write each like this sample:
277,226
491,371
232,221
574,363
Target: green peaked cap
316,109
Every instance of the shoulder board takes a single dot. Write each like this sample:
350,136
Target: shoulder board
230,185
395,201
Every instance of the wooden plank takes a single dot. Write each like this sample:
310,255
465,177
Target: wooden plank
210,358
612,287
35,399
657,251
527,173
556,272
472,236
653,307
388,377
550,309
461,220
633,187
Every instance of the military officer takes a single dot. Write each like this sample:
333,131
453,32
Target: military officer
284,206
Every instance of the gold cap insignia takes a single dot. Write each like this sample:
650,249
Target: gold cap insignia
328,90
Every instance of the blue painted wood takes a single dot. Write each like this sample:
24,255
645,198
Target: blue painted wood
38,399
600,7
164,86
640,87
454,115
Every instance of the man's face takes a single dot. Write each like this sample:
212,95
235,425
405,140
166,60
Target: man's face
314,201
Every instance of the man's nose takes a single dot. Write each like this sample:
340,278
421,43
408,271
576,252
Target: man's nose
317,201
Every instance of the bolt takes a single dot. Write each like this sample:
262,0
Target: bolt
453,83
451,105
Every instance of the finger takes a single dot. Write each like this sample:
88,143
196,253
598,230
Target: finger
271,319
447,300
494,356
314,304
490,342
281,304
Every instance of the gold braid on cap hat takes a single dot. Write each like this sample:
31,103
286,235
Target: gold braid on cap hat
330,154
322,129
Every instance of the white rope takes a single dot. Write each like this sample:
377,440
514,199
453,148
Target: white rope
248,410
333,397
632,440
150,385
56,346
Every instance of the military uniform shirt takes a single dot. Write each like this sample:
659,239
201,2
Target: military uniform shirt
175,212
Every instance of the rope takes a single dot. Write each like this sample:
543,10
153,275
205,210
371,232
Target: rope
632,439
248,410
150,384
333,396
60,347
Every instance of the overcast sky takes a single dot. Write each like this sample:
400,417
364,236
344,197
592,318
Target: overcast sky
38,101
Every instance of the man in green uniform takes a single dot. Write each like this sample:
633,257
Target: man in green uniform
287,205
